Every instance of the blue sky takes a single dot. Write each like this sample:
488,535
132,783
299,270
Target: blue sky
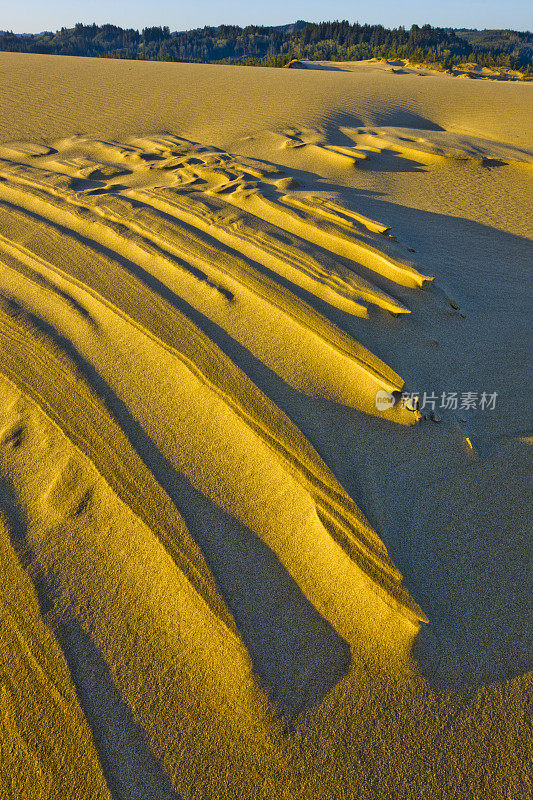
32,16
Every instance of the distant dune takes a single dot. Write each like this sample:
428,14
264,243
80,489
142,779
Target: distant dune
251,545
405,67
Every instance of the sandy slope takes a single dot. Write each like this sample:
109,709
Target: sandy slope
206,276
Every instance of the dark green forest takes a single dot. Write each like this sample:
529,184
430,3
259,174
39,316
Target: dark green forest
276,46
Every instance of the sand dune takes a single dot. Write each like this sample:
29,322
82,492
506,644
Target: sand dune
402,66
205,512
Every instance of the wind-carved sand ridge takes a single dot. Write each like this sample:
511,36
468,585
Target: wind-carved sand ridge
104,248
193,229
419,145
97,276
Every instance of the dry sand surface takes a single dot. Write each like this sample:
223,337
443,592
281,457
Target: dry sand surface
226,572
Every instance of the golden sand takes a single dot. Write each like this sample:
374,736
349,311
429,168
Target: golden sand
207,276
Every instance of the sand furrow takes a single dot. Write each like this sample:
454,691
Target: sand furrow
350,529
45,742
127,618
329,236
97,243
327,497
154,238
68,402
374,370
338,286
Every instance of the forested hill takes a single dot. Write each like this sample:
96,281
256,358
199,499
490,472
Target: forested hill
276,46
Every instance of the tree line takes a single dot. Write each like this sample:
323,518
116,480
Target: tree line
277,46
